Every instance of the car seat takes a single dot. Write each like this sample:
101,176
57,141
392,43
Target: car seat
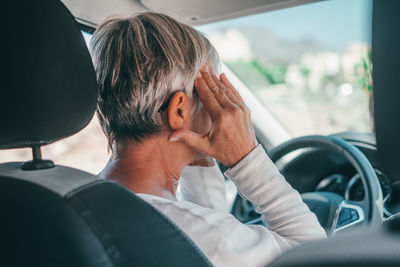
55,215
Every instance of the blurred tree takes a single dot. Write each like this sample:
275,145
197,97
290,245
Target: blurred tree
274,73
363,72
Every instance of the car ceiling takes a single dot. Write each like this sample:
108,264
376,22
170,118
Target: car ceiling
193,12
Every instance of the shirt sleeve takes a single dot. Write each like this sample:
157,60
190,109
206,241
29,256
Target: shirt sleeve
204,186
281,207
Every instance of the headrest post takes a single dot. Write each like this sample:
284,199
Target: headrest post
36,153
37,163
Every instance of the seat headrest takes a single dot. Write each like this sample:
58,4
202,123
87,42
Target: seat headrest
48,85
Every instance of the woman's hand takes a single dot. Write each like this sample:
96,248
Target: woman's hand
231,136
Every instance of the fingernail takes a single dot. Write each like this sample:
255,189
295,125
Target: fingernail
173,139
198,74
204,68
223,74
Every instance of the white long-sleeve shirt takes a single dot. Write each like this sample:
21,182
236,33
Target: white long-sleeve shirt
203,216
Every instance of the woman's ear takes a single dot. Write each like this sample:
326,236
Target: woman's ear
178,110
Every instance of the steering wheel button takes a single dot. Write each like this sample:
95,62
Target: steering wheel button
354,215
344,217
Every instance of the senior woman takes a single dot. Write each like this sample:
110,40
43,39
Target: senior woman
162,108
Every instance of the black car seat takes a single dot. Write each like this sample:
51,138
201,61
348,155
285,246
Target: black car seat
54,215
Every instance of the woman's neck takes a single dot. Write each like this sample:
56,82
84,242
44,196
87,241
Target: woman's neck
152,167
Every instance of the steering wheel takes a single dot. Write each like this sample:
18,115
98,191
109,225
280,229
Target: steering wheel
332,210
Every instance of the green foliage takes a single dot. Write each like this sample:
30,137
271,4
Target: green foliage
304,70
363,72
274,73
248,74
254,75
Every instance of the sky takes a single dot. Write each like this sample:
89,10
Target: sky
332,23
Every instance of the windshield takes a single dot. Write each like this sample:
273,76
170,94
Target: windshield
309,65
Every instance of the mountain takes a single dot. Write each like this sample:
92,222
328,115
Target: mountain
266,46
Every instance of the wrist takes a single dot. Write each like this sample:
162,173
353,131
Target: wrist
232,163
256,159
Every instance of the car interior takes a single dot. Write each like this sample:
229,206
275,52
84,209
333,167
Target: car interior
54,215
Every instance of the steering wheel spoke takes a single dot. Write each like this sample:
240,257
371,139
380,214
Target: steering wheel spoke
337,214
333,212
349,214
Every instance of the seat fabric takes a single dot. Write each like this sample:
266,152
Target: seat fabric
97,223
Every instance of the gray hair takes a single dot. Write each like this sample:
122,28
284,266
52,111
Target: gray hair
140,61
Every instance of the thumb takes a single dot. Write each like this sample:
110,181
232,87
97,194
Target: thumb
194,140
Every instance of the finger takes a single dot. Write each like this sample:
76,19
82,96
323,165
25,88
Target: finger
226,90
209,81
219,94
216,80
194,140
228,84
207,97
